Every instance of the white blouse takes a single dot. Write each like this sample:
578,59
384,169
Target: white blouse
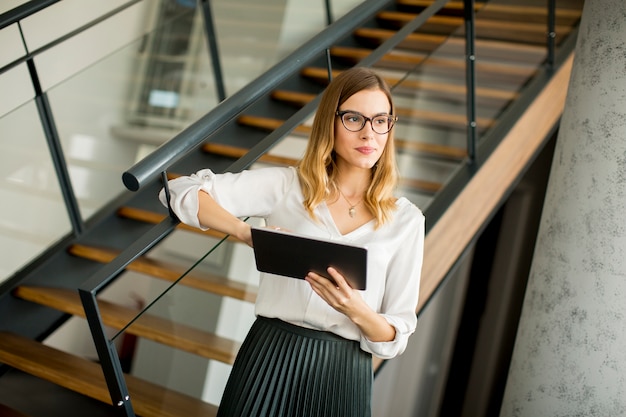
395,251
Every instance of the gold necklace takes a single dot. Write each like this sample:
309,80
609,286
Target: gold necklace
352,209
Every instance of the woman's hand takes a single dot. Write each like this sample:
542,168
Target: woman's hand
340,296
336,292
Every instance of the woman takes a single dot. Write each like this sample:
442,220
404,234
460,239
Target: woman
309,352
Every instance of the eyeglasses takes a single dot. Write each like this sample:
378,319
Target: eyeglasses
355,121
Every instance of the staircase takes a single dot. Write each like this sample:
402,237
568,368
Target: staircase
430,136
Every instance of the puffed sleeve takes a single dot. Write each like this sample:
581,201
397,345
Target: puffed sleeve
248,193
402,287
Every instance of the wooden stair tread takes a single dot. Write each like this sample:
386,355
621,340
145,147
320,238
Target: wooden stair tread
148,326
165,270
428,43
532,14
237,152
269,124
439,88
456,120
425,116
154,217
408,61
85,377
504,30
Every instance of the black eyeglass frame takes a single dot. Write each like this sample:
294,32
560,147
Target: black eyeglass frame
393,119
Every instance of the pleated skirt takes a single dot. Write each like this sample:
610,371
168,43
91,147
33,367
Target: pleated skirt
283,370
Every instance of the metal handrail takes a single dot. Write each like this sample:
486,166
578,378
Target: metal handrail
23,11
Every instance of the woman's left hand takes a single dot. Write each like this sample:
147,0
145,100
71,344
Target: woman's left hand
338,294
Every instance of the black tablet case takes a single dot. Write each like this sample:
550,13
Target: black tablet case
287,254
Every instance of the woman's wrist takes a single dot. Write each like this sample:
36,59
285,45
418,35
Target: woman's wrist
243,233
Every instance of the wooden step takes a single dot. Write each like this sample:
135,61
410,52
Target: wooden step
236,152
147,326
503,30
6,411
487,72
154,218
443,90
435,118
501,12
402,145
485,49
85,377
167,271
427,117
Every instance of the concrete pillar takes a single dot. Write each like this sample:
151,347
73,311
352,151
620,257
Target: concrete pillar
570,352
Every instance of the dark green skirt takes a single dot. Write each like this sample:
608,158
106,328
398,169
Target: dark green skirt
284,370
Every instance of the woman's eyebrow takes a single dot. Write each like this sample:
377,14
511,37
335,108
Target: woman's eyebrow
358,112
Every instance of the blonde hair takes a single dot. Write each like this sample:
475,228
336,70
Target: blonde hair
317,170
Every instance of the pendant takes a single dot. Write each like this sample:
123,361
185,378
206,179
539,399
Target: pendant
352,211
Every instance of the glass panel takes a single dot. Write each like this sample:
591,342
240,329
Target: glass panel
97,112
33,215
117,110
16,87
11,47
428,75
62,18
253,36
194,328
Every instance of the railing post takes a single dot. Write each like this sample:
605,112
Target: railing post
329,65
551,35
107,353
470,60
209,27
329,12
109,359
54,145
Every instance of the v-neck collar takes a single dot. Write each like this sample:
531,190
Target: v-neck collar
330,224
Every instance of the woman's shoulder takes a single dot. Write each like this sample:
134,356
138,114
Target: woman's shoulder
406,207
407,214
287,172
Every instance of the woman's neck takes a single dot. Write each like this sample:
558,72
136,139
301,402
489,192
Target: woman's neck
353,183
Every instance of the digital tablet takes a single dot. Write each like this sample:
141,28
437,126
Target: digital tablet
291,255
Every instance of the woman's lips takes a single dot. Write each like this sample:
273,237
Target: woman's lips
366,150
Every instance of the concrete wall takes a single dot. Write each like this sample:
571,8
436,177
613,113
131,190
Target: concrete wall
569,358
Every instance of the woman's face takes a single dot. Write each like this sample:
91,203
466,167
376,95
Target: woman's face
363,148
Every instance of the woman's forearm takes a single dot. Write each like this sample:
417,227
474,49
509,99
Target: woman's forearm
372,325
214,216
